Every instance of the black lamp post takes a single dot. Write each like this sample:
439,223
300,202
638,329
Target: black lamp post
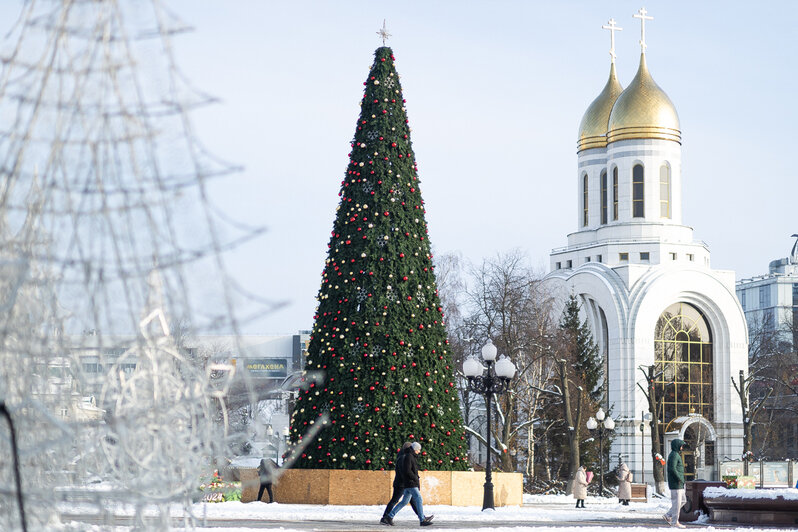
495,382
595,425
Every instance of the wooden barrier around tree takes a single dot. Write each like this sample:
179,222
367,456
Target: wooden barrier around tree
359,487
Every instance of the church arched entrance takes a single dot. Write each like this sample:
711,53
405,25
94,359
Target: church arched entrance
683,358
699,453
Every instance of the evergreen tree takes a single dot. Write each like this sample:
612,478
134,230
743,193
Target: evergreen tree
586,359
587,372
379,338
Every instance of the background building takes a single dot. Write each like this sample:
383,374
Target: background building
258,392
770,302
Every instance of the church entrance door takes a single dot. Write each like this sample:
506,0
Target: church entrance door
688,459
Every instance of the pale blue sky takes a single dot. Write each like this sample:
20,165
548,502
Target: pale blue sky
495,92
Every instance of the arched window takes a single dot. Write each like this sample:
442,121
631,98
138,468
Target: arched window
584,200
665,191
604,197
683,360
638,203
615,193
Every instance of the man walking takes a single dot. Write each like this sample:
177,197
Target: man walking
675,483
398,487
411,483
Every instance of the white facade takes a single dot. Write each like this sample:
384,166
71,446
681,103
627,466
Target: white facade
771,301
632,259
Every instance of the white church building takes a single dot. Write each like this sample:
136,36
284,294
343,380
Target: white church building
646,287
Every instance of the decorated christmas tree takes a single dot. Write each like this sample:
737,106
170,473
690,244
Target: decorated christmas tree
379,349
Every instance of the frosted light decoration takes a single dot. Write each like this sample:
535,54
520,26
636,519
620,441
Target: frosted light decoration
472,367
505,368
609,423
591,423
600,415
489,352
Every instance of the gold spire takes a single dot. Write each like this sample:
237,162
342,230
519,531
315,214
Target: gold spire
643,111
593,128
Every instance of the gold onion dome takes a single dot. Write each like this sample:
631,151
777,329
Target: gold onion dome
643,111
593,128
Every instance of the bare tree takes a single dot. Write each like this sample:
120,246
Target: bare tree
502,300
650,391
769,394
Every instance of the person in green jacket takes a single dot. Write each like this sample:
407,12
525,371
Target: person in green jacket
675,483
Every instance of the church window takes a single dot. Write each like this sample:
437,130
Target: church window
644,256
665,191
683,358
558,265
587,259
690,257
598,259
672,255
638,201
584,200
615,193
569,264
623,257
604,197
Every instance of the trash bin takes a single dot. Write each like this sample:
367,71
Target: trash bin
694,499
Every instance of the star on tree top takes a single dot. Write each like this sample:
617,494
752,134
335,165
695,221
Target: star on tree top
384,33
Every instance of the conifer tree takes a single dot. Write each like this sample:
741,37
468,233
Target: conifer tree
586,359
378,341
587,376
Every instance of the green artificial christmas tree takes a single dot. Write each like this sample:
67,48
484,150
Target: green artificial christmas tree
378,341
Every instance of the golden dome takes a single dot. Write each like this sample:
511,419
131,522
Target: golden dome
593,128
643,111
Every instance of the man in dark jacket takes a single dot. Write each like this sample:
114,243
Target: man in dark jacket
411,483
398,487
675,483
266,471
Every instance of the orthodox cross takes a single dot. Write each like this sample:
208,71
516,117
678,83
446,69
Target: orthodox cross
613,28
643,18
384,33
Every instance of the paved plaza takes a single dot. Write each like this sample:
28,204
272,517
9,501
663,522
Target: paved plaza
553,512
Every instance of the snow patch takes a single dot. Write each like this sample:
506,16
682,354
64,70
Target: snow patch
790,494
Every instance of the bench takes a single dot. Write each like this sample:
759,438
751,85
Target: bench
639,493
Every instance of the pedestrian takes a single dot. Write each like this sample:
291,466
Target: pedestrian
411,483
398,488
580,487
624,484
675,483
266,471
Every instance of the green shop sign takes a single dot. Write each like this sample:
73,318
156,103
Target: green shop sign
267,367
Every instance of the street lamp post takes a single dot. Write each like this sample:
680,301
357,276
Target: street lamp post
495,382
642,448
596,425
286,440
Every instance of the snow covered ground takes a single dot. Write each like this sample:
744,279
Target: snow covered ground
538,513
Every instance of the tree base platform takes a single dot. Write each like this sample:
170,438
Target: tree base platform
359,487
